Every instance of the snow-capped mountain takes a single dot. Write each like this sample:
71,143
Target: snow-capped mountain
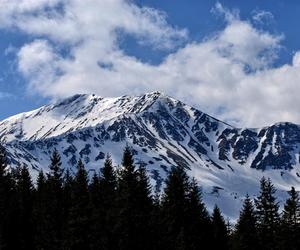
227,161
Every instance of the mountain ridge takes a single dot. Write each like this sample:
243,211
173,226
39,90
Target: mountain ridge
162,132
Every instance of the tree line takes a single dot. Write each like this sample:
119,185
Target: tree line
116,209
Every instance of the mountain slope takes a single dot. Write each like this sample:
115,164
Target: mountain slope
227,161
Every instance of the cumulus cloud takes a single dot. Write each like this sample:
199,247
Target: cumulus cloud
229,74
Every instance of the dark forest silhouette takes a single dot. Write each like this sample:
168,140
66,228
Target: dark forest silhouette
116,209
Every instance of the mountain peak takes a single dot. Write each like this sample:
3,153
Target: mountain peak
163,132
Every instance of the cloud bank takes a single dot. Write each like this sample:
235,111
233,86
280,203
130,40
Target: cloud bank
230,74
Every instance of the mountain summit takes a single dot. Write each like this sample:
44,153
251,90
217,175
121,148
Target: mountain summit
163,132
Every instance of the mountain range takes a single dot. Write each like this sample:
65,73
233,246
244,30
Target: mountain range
228,162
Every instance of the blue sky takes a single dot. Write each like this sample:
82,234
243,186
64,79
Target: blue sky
146,45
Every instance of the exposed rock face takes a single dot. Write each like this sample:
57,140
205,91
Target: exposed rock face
163,132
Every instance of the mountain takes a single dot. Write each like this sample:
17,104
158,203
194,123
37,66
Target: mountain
227,161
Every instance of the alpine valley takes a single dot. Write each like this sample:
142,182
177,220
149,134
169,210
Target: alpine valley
226,161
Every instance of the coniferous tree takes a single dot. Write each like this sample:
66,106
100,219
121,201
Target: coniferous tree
144,208
156,223
174,204
129,205
107,210
56,171
108,183
291,211
290,226
220,232
126,222
54,201
245,235
40,213
66,204
24,208
267,215
97,216
7,204
4,195
79,217
198,223
48,211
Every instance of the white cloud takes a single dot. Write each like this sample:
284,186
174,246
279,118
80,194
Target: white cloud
230,71
296,59
262,16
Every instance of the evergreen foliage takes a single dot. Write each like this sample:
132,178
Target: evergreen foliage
79,215
290,227
220,232
246,236
117,210
267,214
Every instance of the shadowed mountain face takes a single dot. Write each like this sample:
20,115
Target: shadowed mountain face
162,131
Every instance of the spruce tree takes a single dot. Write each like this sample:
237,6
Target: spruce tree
7,204
4,195
108,207
40,213
97,216
198,223
220,232
156,222
267,215
66,204
56,170
127,160
55,195
290,226
291,211
245,235
144,206
108,182
174,203
79,217
54,202
24,201
126,227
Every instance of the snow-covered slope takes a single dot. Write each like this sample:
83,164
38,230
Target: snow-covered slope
228,162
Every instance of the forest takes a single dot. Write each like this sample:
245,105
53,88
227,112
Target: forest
117,209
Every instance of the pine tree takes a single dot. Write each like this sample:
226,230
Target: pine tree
56,170
55,193
126,227
66,205
156,223
245,235
220,232
107,209
291,211
267,215
79,217
198,223
40,213
127,161
144,207
290,226
94,189
97,216
108,182
4,195
24,200
53,203
174,204
7,204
